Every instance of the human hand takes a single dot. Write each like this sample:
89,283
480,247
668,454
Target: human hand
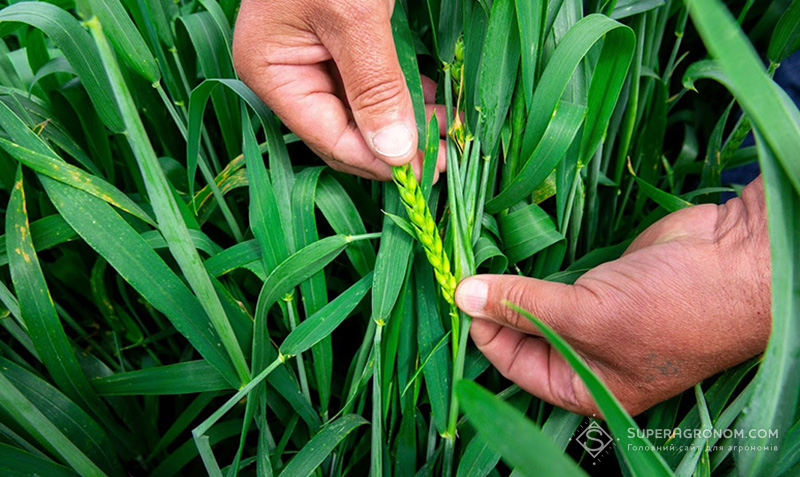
329,70
688,299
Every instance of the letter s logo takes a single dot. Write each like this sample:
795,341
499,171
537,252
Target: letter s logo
595,435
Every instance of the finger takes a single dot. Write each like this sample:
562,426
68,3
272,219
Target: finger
532,364
381,173
441,156
428,89
569,310
304,97
416,166
361,43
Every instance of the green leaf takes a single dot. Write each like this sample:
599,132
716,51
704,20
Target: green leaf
171,224
281,167
710,69
529,17
430,159
214,61
508,432
606,83
70,419
786,35
392,260
560,426
77,47
18,463
407,56
489,254
403,223
37,424
478,459
71,175
558,137
429,333
449,28
527,231
180,378
669,202
767,106
38,310
321,445
287,275
238,256
314,290
126,39
628,8
46,233
498,73
265,219
343,216
326,319
106,232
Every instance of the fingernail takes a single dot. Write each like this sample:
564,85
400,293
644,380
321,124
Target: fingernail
393,141
471,296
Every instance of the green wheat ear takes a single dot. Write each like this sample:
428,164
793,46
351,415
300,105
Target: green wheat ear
425,228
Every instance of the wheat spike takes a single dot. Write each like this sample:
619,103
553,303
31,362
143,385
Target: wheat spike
425,228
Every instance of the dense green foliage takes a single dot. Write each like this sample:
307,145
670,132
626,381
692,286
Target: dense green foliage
269,315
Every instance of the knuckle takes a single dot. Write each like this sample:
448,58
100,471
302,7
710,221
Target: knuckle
376,93
587,305
591,305
516,293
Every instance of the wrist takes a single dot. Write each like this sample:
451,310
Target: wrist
743,241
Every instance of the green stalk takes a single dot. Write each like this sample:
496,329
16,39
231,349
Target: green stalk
291,307
465,266
458,374
199,432
680,28
181,71
745,11
477,218
361,364
352,387
518,119
629,120
474,187
570,201
591,200
428,234
376,468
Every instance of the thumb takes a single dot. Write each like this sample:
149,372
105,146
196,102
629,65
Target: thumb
364,52
565,308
